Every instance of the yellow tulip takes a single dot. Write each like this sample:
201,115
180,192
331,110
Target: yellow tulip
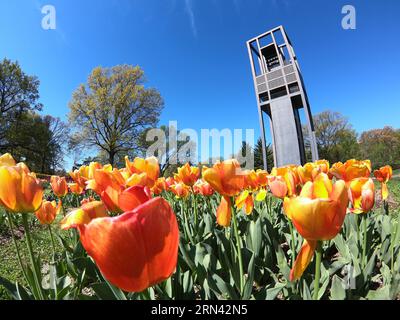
20,191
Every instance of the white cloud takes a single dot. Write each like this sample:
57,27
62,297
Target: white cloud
189,11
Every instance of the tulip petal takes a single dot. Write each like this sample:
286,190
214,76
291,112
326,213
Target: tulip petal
132,197
303,259
224,212
384,191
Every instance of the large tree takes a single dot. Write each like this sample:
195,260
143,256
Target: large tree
19,93
336,138
38,141
258,156
111,111
381,146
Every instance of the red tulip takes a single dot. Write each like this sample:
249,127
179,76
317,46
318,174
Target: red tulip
137,249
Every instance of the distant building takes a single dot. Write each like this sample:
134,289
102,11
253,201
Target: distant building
280,94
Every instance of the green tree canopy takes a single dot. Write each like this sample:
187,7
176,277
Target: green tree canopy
112,110
336,138
381,146
19,93
38,141
258,156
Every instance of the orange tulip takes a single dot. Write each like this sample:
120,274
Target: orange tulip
318,214
224,212
203,188
59,186
7,160
187,174
159,186
351,169
383,175
83,215
362,195
262,177
137,249
108,185
180,189
308,172
225,177
20,191
48,211
254,180
144,172
78,179
323,165
169,182
245,199
75,188
290,176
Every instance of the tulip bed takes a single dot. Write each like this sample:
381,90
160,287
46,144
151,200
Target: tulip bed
300,232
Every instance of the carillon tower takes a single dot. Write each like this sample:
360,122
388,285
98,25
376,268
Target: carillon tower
280,94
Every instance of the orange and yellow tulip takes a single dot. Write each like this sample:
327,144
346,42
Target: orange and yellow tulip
180,189
83,215
245,200
144,172
59,186
48,211
290,176
308,172
203,188
20,190
323,165
137,249
75,188
318,214
187,174
159,186
7,160
362,195
383,175
225,177
224,212
351,169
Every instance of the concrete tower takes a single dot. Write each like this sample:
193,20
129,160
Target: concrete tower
280,94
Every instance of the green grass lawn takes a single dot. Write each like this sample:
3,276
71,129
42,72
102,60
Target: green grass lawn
9,266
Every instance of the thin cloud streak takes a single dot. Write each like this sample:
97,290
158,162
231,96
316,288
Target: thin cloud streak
189,10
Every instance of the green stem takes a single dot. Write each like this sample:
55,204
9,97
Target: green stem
62,205
318,258
293,247
78,204
15,244
195,212
394,236
36,272
52,240
364,246
239,248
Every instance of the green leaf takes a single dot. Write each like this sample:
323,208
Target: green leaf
272,293
337,289
248,287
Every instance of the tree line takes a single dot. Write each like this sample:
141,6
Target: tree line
111,113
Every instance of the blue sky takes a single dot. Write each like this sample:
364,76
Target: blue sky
194,52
